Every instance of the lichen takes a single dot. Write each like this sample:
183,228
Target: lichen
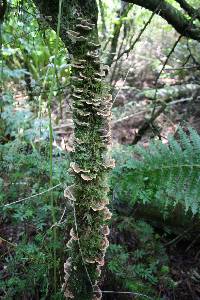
90,163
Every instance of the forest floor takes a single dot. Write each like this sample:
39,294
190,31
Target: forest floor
183,253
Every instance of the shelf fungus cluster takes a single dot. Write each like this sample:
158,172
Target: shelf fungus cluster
91,105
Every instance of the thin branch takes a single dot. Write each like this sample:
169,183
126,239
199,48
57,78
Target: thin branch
147,123
3,7
138,37
167,59
7,242
126,76
128,117
173,16
182,68
191,54
116,33
104,29
191,11
33,196
127,293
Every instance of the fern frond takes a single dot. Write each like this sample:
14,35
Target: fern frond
165,173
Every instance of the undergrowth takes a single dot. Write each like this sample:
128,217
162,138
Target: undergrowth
137,259
26,238
162,174
165,175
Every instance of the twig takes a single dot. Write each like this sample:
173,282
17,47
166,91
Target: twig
9,243
163,67
180,236
191,55
33,196
127,293
192,243
145,111
154,113
60,221
166,61
182,68
146,124
128,117
138,37
130,50
180,101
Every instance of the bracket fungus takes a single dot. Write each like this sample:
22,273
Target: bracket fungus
109,164
76,79
75,36
93,46
81,123
98,293
67,269
77,66
83,27
70,243
107,215
85,22
104,243
82,76
90,261
73,235
100,205
91,116
76,96
87,177
77,169
100,261
105,230
82,113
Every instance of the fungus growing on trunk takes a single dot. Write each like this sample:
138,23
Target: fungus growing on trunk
91,110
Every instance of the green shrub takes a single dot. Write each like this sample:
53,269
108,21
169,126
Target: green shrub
161,174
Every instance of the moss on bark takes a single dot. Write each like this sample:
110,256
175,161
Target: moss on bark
91,105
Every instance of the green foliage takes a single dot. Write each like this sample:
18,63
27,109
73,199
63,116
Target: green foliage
142,266
27,259
165,174
28,53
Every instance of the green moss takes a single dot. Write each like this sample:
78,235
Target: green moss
89,154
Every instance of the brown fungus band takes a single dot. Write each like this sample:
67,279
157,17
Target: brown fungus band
91,105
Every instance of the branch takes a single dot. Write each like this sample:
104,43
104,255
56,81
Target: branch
191,11
104,29
147,123
71,11
173,16
117,29
192,56
138,37
3,6
167,59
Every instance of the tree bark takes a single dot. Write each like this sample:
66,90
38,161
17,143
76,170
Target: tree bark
191,11
91,106
172,15
116,33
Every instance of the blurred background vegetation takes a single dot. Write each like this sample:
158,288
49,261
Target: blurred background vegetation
154,189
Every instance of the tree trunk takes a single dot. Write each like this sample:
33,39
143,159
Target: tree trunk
125,8
91,106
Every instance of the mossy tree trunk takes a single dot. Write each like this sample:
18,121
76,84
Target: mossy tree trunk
91,106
